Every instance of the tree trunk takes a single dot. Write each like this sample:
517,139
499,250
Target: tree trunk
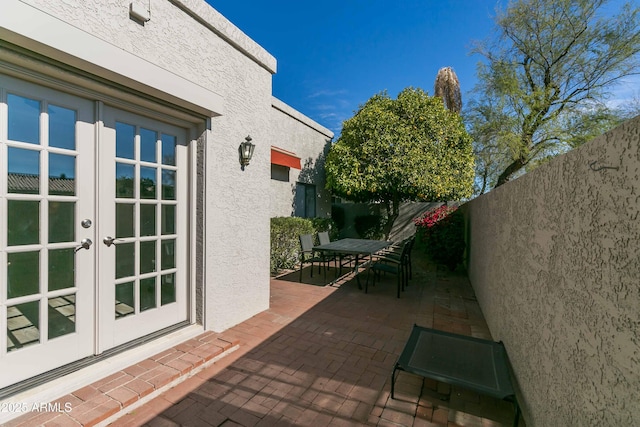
514,167
393,211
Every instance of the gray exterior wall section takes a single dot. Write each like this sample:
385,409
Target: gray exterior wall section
191,40
555,263
310,141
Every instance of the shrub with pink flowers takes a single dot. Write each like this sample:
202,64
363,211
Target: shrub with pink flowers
430,218
441,233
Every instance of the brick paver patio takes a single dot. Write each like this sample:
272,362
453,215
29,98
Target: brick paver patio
320,356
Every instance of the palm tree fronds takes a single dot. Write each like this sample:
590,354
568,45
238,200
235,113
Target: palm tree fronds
447,87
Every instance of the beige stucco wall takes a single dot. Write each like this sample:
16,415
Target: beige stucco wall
555,263
310,141
191,40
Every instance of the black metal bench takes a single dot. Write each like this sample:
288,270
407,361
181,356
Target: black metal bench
472,363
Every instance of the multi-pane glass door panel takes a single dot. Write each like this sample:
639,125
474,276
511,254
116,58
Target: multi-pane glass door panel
148,190
44,136
40,259
58,195
144,249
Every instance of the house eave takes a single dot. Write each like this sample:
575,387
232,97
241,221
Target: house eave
26,26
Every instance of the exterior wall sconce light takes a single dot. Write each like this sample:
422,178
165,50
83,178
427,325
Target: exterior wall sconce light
246,152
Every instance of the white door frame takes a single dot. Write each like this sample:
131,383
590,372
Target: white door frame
48,354
112,331
192,129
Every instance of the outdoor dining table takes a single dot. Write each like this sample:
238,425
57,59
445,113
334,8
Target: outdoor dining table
360,248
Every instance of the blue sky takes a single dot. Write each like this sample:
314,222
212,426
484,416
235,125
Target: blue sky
333,55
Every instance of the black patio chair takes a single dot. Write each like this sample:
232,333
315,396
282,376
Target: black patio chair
309,256
412,241
395,251
395,263
324,239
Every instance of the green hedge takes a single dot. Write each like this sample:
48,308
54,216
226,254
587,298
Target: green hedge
325,224
285,243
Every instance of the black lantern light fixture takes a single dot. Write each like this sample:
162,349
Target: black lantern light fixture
246,151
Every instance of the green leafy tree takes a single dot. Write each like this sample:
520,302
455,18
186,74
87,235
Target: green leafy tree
394,150
553,64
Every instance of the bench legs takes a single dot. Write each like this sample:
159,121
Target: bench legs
513,399
517,409
393,379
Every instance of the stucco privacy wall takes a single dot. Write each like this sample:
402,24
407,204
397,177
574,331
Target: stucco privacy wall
295,132
191,40
555,263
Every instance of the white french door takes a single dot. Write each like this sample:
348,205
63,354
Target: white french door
46,195
93,228
142,227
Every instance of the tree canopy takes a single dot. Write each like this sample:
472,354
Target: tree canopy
408,148
550,67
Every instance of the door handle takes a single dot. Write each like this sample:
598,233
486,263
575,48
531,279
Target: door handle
110,241
84,244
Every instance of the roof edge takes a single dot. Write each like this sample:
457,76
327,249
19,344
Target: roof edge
292,112
205,14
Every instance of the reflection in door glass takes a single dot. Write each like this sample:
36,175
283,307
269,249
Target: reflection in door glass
62,127
147,293
62,222
168,219
125,138
62,175
168,150
125,213
124,300
23,222
148,183
146,175
125,260
24,119
23,325
124,180
147,257
124,219
168,254
23,274
148,140
147,220
23,171
168,185
62,315
168,288
61,269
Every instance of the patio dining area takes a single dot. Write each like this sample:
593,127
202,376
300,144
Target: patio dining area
321,355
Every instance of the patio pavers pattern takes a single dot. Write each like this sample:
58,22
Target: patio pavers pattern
323,356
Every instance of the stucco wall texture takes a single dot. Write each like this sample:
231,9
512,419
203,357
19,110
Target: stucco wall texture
308,140
192,40
555,263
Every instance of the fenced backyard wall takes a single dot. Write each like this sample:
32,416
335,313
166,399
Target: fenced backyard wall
403,226
554,259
